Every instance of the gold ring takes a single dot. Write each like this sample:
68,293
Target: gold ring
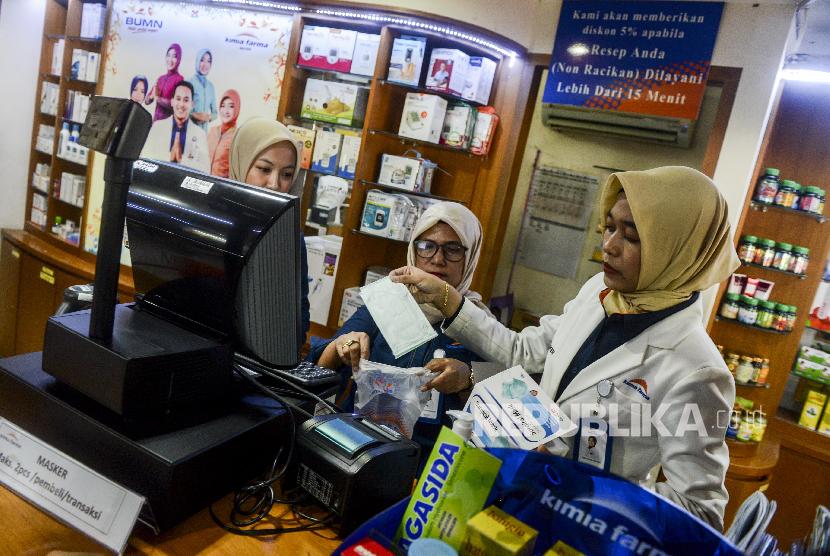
348,343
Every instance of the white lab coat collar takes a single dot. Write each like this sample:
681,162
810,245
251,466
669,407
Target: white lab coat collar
665,334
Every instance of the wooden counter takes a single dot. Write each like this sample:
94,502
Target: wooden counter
28,530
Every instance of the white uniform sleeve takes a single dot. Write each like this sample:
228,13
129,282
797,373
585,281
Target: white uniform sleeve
695,463
492,340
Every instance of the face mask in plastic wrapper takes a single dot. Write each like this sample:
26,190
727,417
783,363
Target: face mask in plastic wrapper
397,315
390,395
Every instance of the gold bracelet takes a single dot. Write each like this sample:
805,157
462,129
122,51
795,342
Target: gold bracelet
472,377
446,294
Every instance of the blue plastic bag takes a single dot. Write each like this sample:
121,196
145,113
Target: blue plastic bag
595,512
587,509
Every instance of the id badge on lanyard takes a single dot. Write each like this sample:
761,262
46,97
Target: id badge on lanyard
593,443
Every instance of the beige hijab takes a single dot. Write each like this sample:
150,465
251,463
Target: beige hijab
685,238
256,135
468,228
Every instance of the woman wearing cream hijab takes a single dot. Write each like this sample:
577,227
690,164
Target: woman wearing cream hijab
264,153
630,354
446,244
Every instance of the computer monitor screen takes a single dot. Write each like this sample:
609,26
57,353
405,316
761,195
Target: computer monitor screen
218,257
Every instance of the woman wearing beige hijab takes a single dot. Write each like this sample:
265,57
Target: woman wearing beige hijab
265,153
629,359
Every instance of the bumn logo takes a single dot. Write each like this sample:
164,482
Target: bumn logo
142,22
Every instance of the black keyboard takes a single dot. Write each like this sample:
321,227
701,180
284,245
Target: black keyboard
305,374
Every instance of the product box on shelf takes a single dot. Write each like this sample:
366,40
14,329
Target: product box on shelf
390,215
57,57
350,304
812,370
820,308
327,48
458,126
447,70
326,149
479,81
330,194
423,117
93,64
79,61
323,258
811,412
93,18
485,128
375,273
400,171
330,101
406,172
49,93
347,162
365,54
306,137
406,60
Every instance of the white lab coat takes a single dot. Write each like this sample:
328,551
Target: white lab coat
674,359
195,153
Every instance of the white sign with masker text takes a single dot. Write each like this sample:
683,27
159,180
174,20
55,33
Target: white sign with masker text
66,489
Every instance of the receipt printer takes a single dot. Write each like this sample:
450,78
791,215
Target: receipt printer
354,467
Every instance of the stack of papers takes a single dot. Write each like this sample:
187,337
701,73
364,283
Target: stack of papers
749,528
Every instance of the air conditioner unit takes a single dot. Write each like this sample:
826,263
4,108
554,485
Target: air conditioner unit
666,131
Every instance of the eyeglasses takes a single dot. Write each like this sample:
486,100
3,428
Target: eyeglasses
453,251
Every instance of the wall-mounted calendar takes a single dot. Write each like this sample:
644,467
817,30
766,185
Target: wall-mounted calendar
559,207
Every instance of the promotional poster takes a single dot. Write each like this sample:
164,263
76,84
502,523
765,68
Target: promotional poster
200,71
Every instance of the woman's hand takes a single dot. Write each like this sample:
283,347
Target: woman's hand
347,349
454,376
426,288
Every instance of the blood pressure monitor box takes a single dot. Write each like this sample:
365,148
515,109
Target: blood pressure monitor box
400,172
510,410
447,70
327,48
423,117
406,60
479,79
365,54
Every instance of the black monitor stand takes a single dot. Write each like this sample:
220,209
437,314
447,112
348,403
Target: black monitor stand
131,362
139,400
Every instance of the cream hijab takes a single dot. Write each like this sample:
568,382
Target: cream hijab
685,238
253,137
468,228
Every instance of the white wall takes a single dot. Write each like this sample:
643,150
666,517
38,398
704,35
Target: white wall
21,28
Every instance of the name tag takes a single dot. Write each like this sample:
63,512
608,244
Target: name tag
66,489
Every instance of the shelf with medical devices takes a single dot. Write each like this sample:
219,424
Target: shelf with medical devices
381,111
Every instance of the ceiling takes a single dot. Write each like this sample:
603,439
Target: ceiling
813,32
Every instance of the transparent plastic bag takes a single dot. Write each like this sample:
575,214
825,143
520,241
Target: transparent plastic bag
390,395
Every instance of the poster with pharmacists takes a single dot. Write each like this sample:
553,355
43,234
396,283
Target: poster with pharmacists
200,71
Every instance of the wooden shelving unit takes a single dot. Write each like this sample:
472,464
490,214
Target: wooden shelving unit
796,144
483,183
62,21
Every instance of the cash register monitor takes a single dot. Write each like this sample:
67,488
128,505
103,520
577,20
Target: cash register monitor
218,257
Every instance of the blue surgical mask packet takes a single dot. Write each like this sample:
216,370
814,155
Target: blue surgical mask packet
397,315
391,395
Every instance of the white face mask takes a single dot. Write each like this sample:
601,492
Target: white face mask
397,315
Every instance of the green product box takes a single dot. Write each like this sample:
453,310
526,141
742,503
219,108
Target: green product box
453,487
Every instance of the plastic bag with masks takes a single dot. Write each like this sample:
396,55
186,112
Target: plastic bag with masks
390,395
